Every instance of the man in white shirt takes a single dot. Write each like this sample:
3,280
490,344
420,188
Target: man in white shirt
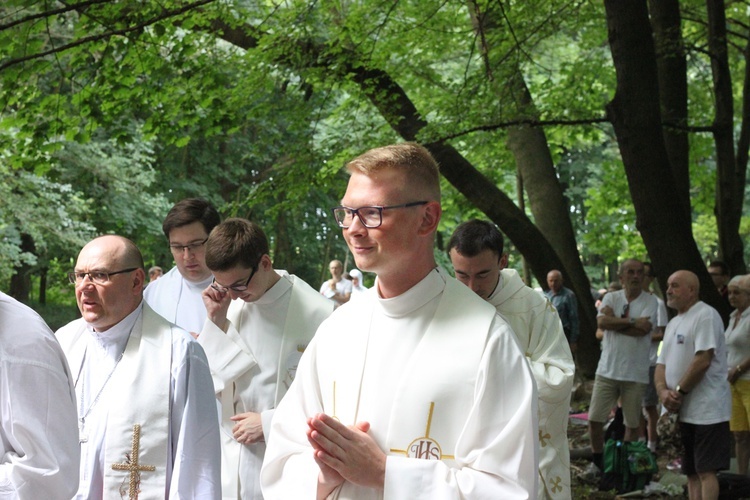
147,422
691,379
177,294
260,320
338,288
430,395
39,452
476,252
627,317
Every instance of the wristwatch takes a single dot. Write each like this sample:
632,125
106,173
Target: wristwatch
680,390
632,320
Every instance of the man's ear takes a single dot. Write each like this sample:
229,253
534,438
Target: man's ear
431,218
503,261
139,281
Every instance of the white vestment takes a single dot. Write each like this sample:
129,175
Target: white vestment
443,383
161,383
39,451
178,300
253,365
540,333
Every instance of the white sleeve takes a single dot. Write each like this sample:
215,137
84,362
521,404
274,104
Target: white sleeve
39,434
194,427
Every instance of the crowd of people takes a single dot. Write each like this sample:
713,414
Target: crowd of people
228,378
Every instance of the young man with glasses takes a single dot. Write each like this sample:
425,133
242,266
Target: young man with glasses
260,320
429,396
143,387
177,294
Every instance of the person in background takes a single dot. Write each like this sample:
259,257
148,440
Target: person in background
177,295
154,273
357,285
479,262
720,275
627,318
691,380
39,452
338,288
737,336
566,304
650,415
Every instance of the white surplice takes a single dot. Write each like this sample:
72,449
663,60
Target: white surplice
253,365
148,372
438,375
39,451
178,300
540,333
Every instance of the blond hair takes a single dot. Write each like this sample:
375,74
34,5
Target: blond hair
420,170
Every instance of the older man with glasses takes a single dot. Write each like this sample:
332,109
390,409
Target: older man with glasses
259,322
147,422
177,294
429,396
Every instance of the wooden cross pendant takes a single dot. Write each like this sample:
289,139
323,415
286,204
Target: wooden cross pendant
131,464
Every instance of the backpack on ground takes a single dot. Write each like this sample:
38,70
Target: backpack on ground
628,466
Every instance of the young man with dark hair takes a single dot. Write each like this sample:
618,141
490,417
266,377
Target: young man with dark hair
177,294
479,262
259,322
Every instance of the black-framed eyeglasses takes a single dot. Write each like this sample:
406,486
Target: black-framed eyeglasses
190,247
236,288
370,217
100,277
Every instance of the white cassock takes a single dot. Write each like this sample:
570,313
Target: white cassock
540,333
143,371
178,300
442,381
253,365
38,446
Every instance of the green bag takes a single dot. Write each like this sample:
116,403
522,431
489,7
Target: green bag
628,466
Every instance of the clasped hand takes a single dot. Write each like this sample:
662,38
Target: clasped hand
345,453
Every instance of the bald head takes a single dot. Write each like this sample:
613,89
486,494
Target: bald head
683,289
113,283
555,280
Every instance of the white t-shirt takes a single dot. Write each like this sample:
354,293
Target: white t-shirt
738,341
662,318
698,329
343,287
625,357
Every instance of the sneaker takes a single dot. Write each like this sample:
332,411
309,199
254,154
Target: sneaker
675,464
591,474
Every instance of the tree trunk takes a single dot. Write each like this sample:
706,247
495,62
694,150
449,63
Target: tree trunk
673,92
634,113
20,282
43,286
728,208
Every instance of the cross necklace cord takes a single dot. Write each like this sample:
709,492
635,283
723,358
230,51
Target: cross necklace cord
82,437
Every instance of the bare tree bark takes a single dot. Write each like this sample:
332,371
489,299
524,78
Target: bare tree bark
728,208
673,91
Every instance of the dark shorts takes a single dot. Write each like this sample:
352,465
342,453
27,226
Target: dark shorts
707,447
649,396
